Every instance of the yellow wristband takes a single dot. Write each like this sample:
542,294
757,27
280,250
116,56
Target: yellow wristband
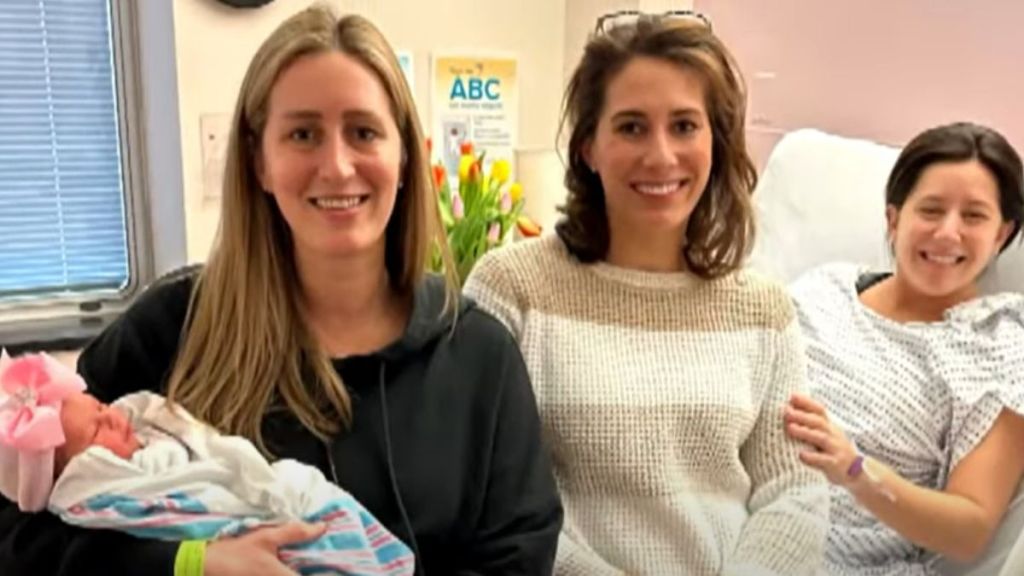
191,558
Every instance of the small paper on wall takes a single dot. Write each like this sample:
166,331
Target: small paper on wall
214,129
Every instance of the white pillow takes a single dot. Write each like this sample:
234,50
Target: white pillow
1008,273
821,199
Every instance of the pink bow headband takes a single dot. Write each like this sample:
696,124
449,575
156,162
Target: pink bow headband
32,389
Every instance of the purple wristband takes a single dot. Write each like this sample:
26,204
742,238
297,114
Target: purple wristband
856,467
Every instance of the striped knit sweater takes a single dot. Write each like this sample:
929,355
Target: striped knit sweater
662,399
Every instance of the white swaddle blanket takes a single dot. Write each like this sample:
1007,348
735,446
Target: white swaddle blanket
190,482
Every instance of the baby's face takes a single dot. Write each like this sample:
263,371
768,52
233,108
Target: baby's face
89,422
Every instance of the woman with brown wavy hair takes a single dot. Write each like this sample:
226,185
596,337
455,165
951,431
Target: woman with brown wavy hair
662,369
314,331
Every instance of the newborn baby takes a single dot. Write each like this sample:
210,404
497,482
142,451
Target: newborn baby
88,422
155,472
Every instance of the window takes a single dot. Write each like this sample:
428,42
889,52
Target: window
70,189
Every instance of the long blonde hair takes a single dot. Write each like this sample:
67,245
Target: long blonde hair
245,346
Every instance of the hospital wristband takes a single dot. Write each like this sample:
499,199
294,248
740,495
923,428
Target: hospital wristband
860,469
191,558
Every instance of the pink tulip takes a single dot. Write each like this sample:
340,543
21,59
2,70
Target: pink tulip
506,203
458,210
493,233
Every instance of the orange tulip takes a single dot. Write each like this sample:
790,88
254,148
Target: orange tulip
474,172
528,228
439,175
466,148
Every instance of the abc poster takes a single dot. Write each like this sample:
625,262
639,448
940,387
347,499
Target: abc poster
474,99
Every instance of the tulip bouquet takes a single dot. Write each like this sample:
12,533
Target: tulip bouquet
483,210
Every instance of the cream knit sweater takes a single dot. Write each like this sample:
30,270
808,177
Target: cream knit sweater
662,399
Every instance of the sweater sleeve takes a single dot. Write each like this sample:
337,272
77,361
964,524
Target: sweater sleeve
132,354
495,291
788,504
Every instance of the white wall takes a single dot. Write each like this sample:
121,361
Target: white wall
214,45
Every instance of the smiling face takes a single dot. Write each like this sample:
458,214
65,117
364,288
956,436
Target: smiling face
331,155
652,147
88,422
948,230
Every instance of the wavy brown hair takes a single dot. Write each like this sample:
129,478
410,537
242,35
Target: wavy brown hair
720,231
246,349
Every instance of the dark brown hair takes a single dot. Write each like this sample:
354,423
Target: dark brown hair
961,142
720,231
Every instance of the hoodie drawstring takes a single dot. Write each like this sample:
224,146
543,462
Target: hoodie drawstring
420,571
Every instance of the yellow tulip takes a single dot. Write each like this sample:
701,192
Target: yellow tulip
465,163
515,191
500,171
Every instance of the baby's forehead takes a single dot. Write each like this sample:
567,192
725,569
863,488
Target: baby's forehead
82,402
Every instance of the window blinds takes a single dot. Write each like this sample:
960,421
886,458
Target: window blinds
62,201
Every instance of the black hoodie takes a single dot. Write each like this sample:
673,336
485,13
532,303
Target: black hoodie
445,441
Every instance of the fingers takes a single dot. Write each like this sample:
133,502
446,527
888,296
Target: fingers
820,439
275,569
808,419
292,533
805,403
819,460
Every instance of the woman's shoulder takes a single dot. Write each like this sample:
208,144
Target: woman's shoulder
522,273
984,313
477,329
168,294
526,259
136,350
762,299
827,290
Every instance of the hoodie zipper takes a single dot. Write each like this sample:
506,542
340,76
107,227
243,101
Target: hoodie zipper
414,545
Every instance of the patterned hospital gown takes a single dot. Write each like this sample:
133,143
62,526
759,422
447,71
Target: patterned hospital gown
916,396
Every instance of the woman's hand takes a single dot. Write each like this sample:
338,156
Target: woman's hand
834,454
256,552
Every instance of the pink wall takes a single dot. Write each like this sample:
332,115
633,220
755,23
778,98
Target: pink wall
878,69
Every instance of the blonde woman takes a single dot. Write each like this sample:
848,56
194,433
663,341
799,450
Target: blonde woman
662,369
314,332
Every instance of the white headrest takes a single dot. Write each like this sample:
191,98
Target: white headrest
821,199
